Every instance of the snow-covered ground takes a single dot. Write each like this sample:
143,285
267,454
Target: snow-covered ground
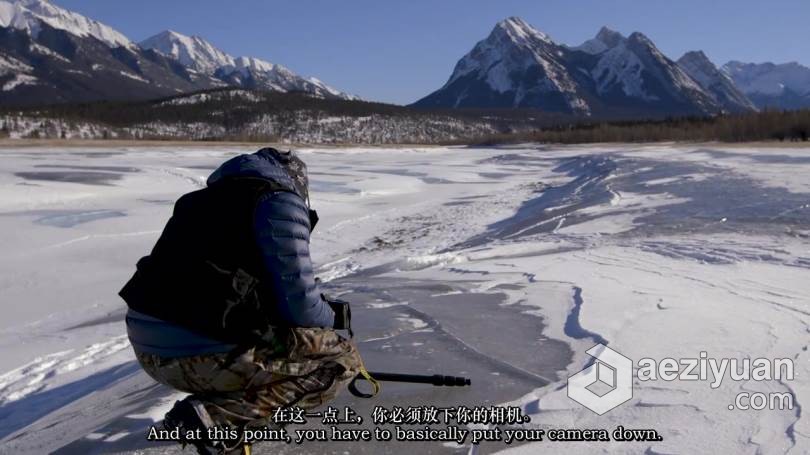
502,264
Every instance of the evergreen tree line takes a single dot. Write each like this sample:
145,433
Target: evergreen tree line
232,109
237,114
768,125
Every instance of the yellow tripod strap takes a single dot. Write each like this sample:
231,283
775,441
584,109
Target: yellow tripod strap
375,384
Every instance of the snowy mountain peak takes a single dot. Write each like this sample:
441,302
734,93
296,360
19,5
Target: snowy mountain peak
610,37
192,51
698,57
515,66
641,39
520,31
768,85
519,66
716,83
198,54
28,15
256,64
604,40
99,71
667,73
699,67
258,73
769,78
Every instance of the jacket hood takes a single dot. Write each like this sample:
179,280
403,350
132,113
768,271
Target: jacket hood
284,168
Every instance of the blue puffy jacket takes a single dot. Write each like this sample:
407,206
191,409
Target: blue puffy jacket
281,226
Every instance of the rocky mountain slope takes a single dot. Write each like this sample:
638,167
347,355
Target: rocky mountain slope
520,66
200,56
715,82
768,85
51,55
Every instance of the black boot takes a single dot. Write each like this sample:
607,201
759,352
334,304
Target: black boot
190,415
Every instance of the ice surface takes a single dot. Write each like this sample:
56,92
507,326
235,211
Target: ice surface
503,264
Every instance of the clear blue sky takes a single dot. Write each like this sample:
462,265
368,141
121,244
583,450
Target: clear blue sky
399,51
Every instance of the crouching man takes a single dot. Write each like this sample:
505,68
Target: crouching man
226,306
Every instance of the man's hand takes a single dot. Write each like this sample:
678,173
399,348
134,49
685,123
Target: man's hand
343,312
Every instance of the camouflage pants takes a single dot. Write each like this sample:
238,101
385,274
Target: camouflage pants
245,390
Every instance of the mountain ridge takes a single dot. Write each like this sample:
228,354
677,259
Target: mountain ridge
27,14
51,55
771,85
202,56
715,82
497,71
517,65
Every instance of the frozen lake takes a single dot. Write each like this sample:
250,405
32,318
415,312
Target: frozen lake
501,264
